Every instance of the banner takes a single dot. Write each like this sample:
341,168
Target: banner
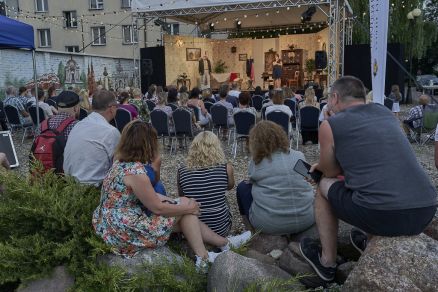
379,15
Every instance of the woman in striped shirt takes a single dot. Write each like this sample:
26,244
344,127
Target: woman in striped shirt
206,177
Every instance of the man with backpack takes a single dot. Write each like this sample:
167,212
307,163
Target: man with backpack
48,146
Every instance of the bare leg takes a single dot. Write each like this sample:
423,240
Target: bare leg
211,237
327,223
189,226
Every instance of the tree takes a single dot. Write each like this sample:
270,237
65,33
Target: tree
431,11
61,73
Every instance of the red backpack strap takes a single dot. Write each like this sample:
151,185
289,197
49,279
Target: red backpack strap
65,124
44,125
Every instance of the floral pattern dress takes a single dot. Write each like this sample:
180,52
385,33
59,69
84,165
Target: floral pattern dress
143,111
121,219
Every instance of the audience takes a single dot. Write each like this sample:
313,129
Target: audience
48,113
183,100
121,220
84,99
142,109
365,178
258,91
89,150
206,177
309,98
275,199
204,117
172,96
244,99
124,104
233,94
270,88
414,121
278,105
19,102
223,93
208,96
161,104
152,93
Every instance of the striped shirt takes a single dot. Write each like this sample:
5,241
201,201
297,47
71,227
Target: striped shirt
208,186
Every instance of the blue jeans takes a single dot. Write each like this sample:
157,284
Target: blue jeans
244,197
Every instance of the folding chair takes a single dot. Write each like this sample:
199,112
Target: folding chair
309,124
208,105
243,122
219,117
122,118
182,119
14,121
172,106
33,115
150,104
196,111
160,121
281,119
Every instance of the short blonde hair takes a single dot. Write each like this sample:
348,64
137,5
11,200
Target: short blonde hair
183,98
162,98
205,151
136,92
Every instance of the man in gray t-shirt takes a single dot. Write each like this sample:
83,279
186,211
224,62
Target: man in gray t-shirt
372,179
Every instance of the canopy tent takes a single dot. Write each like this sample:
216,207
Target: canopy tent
272,14
18,35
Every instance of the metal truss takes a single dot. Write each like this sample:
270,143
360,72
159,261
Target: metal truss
349,31
235,7
333,41
341,36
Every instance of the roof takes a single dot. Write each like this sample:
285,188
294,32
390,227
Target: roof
15,34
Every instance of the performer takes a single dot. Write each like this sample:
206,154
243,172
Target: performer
205,71
277,71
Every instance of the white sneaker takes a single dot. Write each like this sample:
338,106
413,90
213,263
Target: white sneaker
237,240
212,256
201,265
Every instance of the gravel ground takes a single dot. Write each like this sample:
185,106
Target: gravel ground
170,164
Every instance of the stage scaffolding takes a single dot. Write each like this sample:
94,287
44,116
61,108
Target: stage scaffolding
340,26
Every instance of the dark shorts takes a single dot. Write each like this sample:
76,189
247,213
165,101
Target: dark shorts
378,222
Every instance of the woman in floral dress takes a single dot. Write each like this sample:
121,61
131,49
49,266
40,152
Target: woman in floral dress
131,216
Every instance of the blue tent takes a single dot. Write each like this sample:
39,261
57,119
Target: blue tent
15,34
18,35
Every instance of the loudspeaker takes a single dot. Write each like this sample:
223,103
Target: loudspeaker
357,62
233,50
320,60
152,67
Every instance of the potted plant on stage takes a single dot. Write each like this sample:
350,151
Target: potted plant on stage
220,67
310,67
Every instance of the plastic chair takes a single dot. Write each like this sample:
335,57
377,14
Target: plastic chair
173,106
208,105
182,119
14,121
309,124
122,118
160,121
195,110
33,114
243,122
219,118
150,104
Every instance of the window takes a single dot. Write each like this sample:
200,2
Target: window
98,35
174,28
130,34
72,49
96,4
70,19
41,6
126,3
44,36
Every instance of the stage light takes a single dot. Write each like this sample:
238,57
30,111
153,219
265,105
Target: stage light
307,15
238,24
211,26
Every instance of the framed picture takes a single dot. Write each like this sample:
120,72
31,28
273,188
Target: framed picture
193,54
243,57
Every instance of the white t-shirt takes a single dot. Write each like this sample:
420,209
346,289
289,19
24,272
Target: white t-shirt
234,93
46,108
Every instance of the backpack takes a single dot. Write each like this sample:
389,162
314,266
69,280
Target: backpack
48,146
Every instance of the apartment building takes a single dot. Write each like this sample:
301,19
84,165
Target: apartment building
95,27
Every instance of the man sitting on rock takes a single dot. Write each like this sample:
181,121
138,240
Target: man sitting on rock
415,117
372,179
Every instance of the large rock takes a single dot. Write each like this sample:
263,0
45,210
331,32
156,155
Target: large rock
162,255
59,281
265,243
233,272
343,271
251,253
293,264
396,264
345,248
432,229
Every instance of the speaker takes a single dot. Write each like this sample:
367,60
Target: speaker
320,60
233,50
152,67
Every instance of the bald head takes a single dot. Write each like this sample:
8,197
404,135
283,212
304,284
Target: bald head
423,99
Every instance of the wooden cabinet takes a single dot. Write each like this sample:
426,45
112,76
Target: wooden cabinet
293,61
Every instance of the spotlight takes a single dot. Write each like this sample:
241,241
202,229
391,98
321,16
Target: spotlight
306,16
211,26
238,24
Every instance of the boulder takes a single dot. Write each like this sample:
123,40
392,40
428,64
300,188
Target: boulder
345,248
343,271
276,254
251,253
432,229
311,232
295,248
59,281
233,272
161,255
265,243
294,264
407,263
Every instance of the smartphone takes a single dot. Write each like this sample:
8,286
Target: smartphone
303,168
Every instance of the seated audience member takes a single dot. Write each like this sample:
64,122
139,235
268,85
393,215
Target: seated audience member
51,95
223,93
183,89
4,161
23,95
84,99
161,104
152,93
208,96
206,177
183,100
275,199
172,96
373,194
143,110
89,151
233,94
309,99
270,88
204,116
31,100
415,116
258,91
127,193
68,108
244,99
44,106
124,104
278,105
270,96
19,102
295,96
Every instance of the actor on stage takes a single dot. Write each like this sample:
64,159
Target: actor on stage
205,71
276,71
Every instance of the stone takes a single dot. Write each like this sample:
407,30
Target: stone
265,243
233,272
295,248
275,254
406,263
294,264
343,271
311,232
59,281
161,255
345,248
251,253
432,229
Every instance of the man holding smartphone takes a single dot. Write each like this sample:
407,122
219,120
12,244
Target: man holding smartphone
364,144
